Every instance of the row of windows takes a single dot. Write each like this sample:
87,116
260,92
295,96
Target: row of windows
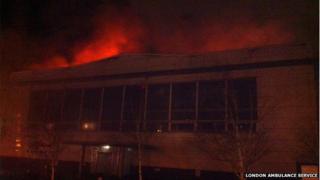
203,105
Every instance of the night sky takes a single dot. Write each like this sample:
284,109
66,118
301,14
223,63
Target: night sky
46,34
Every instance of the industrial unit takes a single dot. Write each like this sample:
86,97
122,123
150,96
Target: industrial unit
168,104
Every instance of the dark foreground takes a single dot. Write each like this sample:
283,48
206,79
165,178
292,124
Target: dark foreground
26,169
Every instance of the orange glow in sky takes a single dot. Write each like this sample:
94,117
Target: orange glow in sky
121,36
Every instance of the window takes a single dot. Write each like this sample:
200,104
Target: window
183,102
54,105
211,108
183,106
133,107
37,109
211,100
242,102
111,114
158,107
219,103
45,107
91,105
71,109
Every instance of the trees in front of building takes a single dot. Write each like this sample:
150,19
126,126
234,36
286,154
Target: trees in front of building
240,150
45,142
241,141
308,142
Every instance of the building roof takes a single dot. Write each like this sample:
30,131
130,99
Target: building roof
144,63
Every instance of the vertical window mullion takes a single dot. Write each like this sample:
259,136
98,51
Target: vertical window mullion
251,105
170,109
253,110
226,106
80,108
197,107
145,107
122,105
45,109
100,109
62,107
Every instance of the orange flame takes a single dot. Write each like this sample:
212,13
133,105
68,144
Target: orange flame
123,36
111,40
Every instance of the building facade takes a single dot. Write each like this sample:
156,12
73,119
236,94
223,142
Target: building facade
168,104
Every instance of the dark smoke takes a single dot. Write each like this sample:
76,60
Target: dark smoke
61,33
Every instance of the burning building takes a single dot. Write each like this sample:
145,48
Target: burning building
244,110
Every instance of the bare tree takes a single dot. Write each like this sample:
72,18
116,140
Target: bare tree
141,135
238,149
308,146
240,145
139,138
45,142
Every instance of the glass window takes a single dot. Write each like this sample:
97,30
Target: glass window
211,109
242,104
183,101
157,107
211,100
243,98
37,109
158,102
211,126
133,107
71,108
91,104
111,115
186,127
54,105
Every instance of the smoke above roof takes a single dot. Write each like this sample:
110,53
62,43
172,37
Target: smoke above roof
51,34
